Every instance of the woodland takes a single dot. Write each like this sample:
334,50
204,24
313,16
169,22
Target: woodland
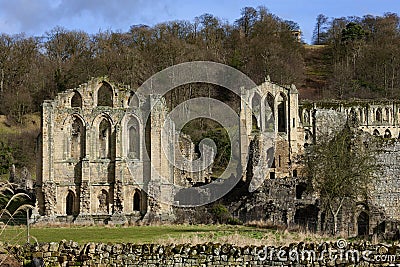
350,57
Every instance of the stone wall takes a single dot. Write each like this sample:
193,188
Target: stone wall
101,254
386,192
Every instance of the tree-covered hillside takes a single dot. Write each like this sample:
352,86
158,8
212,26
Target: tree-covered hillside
353,57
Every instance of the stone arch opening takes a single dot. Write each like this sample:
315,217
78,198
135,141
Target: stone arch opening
105,95
133,100
104,139
77,138
306,117
133,138
70,203
363,224
282,120
137,201
387,134
104,202
353,116
256,111
308,137
76,100
307,217
269,118
376,133
300,189
360,115
387,115
378,115
322,223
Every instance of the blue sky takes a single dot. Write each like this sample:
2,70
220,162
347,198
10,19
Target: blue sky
35,17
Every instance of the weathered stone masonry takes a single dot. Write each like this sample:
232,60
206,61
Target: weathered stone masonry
214,255
90,135
94,164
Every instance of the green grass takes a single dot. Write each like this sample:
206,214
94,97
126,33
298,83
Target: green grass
133,234
239,235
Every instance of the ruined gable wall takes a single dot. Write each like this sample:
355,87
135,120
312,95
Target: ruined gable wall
386,191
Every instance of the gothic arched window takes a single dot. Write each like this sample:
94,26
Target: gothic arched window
105,95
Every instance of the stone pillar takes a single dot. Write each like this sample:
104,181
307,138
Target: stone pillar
293,118
47,141
118,216
245,128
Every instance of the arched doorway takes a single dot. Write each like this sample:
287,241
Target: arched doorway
363,224
307,217
70,202
388,134
136,201
300,189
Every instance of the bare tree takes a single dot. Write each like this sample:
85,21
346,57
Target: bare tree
320,33
340,169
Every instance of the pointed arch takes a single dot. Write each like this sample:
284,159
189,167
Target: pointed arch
104,139
353,116
378,115
78,138
70,203
105,95
387,134
133,137
76,100
269,105
282,113
376,132
308,137
306,117
133,100
256,111
387,115
363,224
137,201
360,115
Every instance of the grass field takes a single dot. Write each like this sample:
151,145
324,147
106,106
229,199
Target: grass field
194,234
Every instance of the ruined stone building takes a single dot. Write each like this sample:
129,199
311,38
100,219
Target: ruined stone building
94,141
88,139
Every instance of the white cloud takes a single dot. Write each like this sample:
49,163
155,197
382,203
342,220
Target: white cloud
37,16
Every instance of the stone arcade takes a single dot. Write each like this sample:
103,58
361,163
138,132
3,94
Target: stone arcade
92,164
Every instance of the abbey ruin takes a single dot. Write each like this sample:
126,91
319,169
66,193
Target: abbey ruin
94,141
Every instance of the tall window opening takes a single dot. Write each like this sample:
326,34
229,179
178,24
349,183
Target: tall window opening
269,116
77,139
133,139
105,95
282,120
378,115
76,100
256,111
105,139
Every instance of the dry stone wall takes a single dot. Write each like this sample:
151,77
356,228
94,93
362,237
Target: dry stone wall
216,255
